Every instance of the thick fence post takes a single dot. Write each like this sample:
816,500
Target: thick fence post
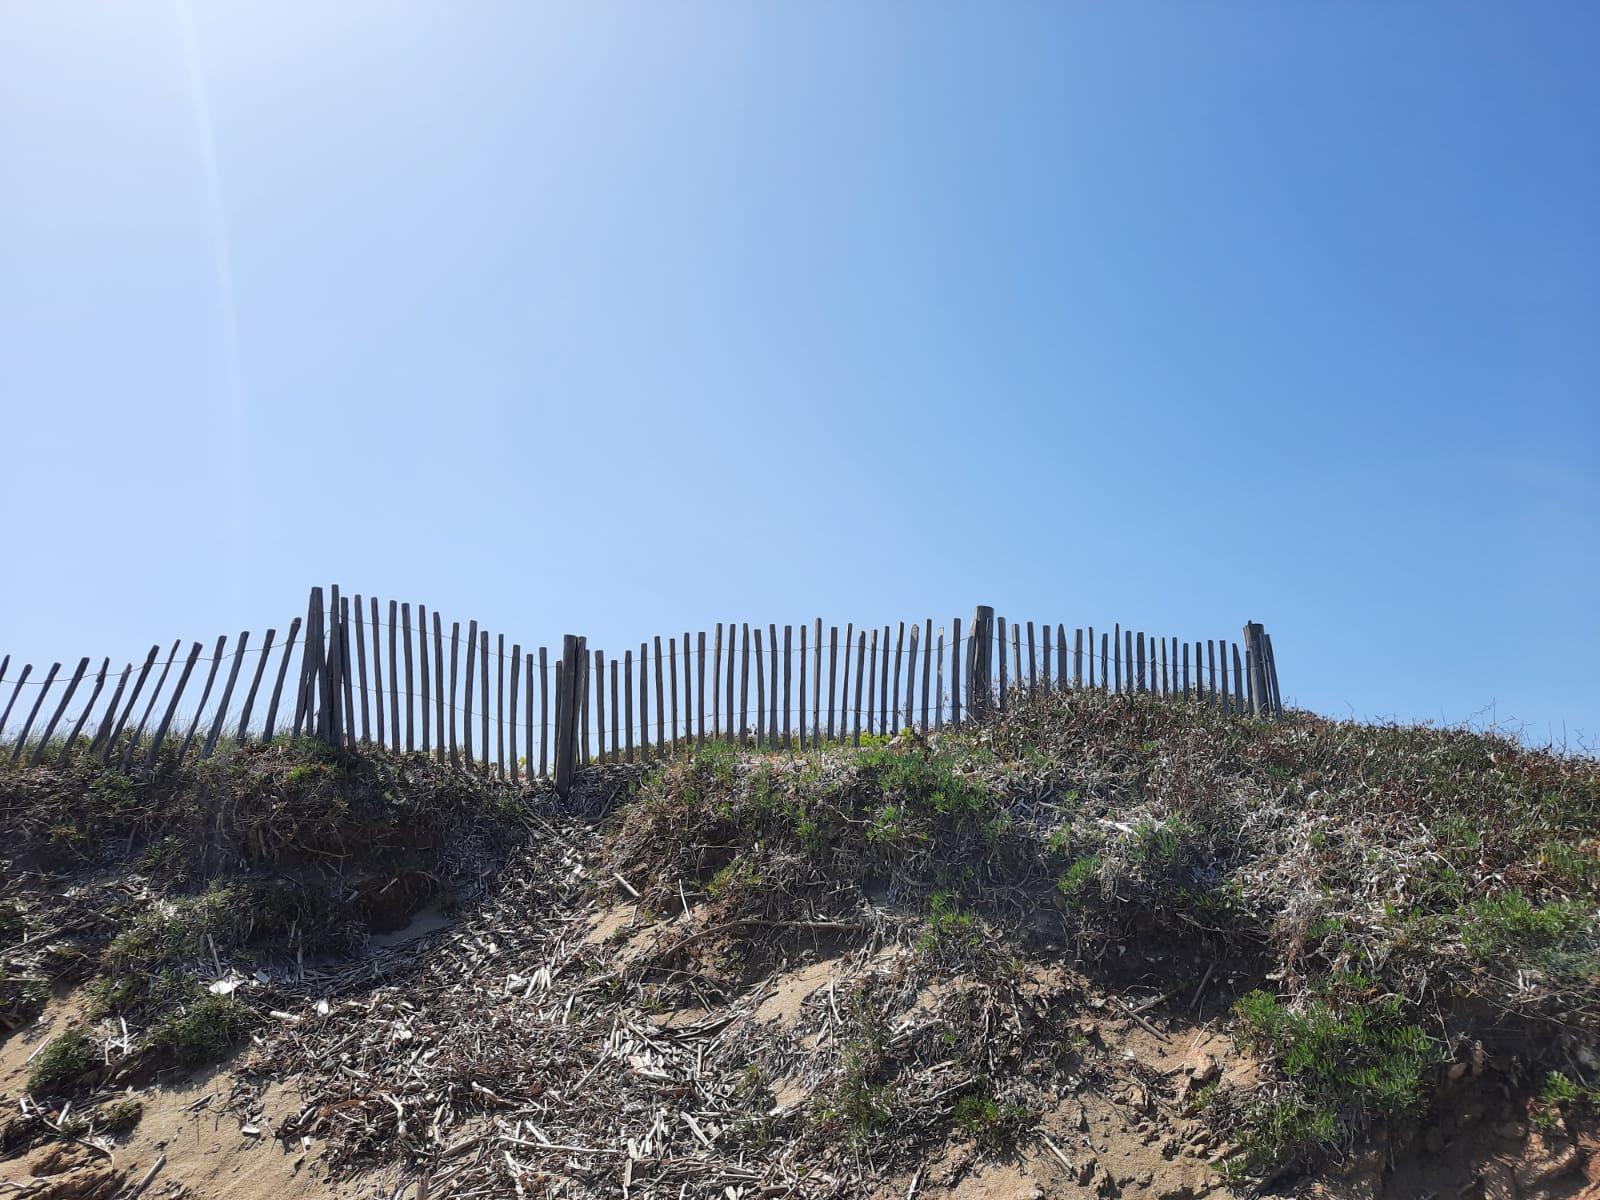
1260,701
567,714
979,678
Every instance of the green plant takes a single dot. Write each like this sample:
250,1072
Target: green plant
1345,1064
64,1058
181,929
996,1125
1075,882
1511,927
947,925
202,1030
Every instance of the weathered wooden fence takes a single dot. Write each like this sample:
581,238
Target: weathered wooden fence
354,672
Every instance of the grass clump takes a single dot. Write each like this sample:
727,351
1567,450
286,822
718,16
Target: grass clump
1346,1065
201,1030
861,1103
21,998
996,1125
63,1060
1511,928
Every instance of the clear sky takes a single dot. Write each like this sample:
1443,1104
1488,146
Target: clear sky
625,319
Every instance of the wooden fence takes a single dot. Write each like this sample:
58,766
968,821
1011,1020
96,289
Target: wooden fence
366,674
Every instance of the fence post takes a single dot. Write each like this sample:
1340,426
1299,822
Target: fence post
978,699
1259,702
566,715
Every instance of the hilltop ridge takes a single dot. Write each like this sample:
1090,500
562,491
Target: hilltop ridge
1104,944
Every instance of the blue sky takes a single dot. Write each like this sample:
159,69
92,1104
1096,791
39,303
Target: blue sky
624,320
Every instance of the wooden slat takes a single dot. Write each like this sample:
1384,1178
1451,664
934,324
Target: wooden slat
600,704
345,674
1000,627
1143,682
1211,682
918,650
761,691
560,714
527,708
394,675
802,709
1017,677
425,710
1238,682
938,683
138,733
772,652
716,682
160,734
1063,659
1077,657
627,707
616,750
700,688
926,649
38,702
1033,671
955,671
672,675
661,701
332,682
309,666
1116,650
441,751
744,684
361,672
788,680
455,659
511,732
583,700
128,705
1225,699
205,694
107,721
884,717
1166,682
861,667
269,726
1185,670
469,680
1092,663
1272,675
1105,662
227,695
872,683
83,717
833,673
899,654
816,672
500,705
1044,665
844,695
1127,636
377,671
544,712
483,693
644,700
14,691
55,718
582,681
